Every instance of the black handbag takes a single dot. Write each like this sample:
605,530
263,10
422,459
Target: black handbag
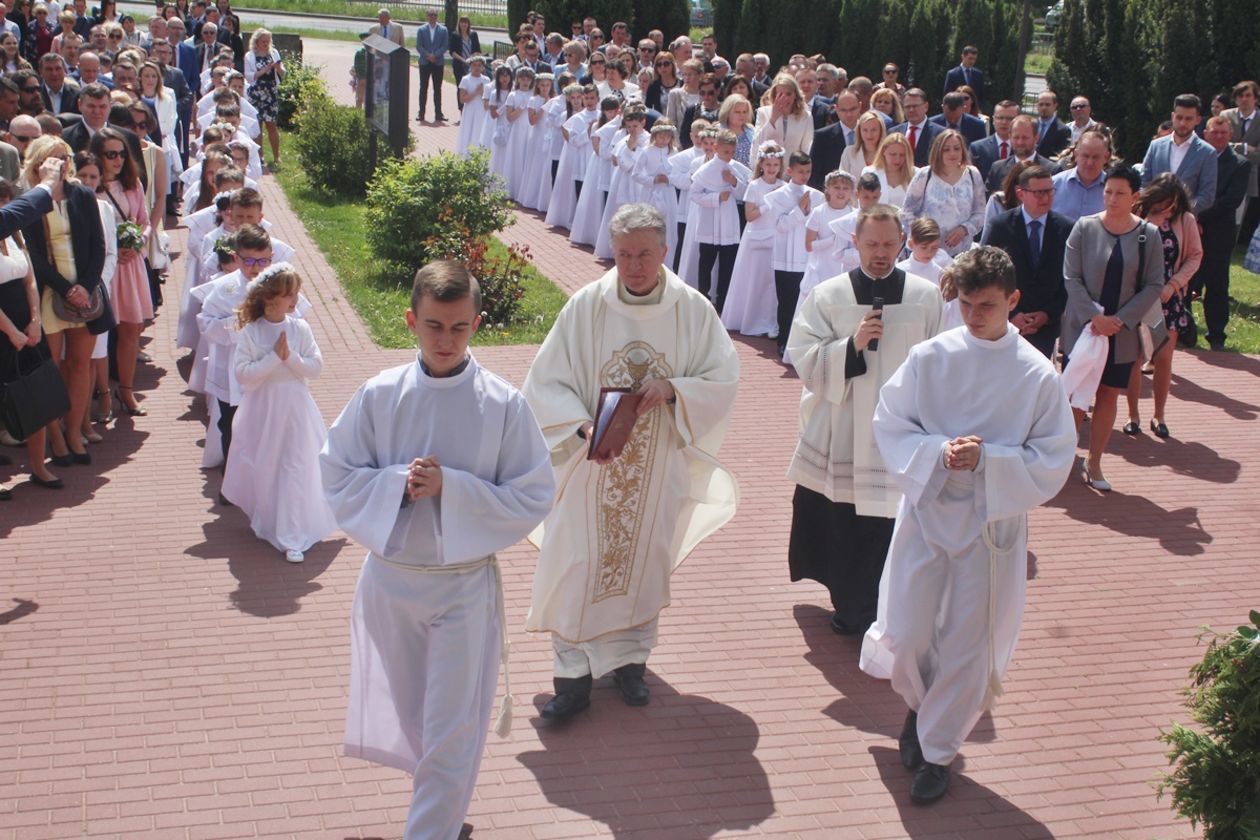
35,398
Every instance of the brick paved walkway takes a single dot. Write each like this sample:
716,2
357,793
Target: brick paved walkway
164,674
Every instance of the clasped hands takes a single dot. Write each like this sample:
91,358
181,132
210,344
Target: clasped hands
1106,325
424,478
1029,322
962,453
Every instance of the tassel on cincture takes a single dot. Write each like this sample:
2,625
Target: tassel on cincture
503,727
993,692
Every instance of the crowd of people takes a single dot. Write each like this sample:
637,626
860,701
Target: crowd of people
896,259
142,128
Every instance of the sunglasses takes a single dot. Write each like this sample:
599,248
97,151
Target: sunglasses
254,262
142,125
30,89
1079,107
664,64
113,154
18,139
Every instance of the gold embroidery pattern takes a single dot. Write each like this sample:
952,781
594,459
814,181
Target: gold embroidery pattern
624,486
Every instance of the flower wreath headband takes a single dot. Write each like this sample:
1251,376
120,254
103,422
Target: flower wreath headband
770,149
269,272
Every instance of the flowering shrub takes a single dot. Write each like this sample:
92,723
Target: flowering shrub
501,278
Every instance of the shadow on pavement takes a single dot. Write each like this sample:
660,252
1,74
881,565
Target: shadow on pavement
682,767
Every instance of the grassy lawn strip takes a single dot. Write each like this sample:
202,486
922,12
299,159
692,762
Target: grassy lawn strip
1243,329
337,227
361,10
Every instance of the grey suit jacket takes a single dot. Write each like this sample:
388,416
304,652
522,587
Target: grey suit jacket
1197,170
1252,139
1084,267
10,163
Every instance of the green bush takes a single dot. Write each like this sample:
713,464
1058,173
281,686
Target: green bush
332,144
1216,782
412,204
301,83
502,278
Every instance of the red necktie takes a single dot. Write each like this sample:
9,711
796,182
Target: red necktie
1003,155
914,134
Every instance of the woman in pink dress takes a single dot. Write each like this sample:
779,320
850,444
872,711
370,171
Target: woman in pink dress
133,303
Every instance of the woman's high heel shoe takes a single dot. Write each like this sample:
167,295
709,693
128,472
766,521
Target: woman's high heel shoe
137,411
97,416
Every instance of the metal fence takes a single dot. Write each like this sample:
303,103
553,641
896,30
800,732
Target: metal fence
415,9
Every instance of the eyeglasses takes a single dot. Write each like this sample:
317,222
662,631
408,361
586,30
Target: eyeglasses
142,125
1079,107
648,50
890,72
30,89
114,154
1047,192
664,64
254,262
18,139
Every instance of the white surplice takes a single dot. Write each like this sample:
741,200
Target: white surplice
952,593
425,626
836,455
618,531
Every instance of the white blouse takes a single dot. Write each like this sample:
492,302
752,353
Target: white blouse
949,205
13,265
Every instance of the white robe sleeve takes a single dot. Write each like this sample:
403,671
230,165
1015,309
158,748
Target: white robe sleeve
705,396
365,496
1019,478
480,517
818,354
551,386
253,363
217,319
913,457
305,359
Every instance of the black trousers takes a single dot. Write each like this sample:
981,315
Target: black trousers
577,189
724,256
459,75
787,287
1251,217
227,412
555,167
431,72
682,231
1212,279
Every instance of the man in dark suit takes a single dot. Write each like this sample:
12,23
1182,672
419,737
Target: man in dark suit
207,50
1023,149
997,146
185,54
1053,136
967,73
954,115
94,106
820,109
432,43
706,109
60,94
831,141
918,128
746,66
1233,175
1035,237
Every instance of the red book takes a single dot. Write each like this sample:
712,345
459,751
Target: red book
615,417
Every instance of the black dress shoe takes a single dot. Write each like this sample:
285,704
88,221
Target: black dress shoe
630,682
6,495
930,783
908,742
61,460
81,457
1160,430
51,484
1216,345
441,118
572,696
1131,429
843,628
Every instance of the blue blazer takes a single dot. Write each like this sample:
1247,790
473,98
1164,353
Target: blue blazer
186,61
955,79
438,44
985,153
1197,172
922,143
971,128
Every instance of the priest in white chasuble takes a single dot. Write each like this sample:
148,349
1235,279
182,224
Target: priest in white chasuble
848,337
976,431
622,524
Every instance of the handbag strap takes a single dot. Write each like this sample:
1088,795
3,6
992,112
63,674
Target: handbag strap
125,214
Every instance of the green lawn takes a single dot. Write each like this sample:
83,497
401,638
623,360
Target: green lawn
361,10
1038,64
337,227
1243,330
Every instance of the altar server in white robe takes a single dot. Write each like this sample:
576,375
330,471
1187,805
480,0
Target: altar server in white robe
622,524
952,598
433,467
844,504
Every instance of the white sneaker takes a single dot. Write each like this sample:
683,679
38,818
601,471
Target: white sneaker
294,556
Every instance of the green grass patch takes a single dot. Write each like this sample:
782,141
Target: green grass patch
337,226
1243,329
1038,63
360,10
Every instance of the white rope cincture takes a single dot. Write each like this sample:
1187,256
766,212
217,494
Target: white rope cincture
503,724
994,688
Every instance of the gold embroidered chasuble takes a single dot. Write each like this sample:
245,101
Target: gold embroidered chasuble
616,533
